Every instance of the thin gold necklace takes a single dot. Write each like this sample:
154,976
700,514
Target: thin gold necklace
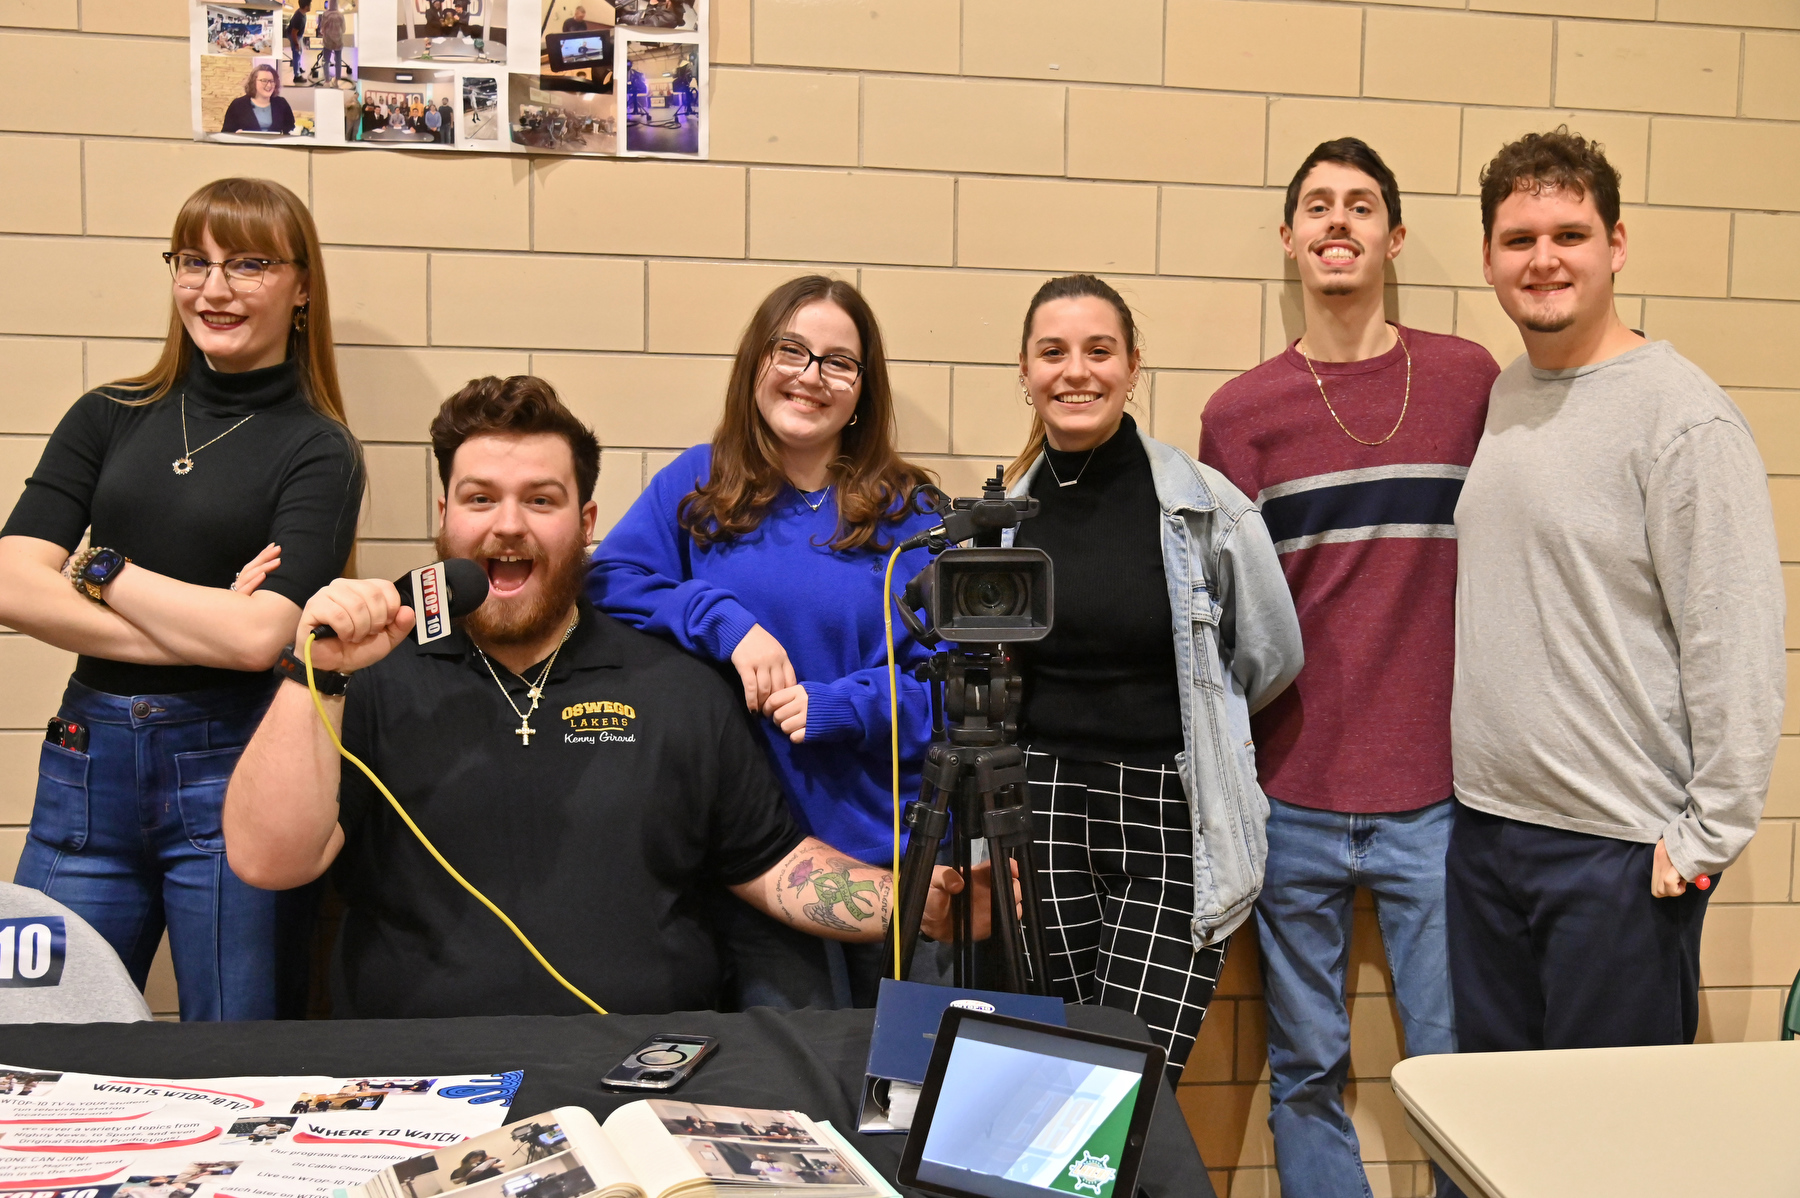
1404,399
536,692
185,462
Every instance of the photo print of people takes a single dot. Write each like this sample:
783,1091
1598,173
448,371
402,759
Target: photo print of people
455,75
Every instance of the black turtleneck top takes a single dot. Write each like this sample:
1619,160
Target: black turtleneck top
1101,686
289,475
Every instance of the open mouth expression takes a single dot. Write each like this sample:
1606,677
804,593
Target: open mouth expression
508,573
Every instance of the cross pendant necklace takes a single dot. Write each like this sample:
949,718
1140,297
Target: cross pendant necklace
525,731
535,690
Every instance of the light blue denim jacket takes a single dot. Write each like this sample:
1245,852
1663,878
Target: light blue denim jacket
1237,646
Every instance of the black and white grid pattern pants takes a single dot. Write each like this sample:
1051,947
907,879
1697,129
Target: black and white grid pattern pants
1115,849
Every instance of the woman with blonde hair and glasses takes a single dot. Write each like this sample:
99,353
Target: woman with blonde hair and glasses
232,449
766,549
1173,623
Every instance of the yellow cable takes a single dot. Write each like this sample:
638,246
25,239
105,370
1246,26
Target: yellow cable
432,849
887,615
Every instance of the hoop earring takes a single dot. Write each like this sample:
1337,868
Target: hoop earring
854,417
300,318
1026,392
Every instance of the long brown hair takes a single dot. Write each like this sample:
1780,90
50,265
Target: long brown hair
261,216
1066,287
875,484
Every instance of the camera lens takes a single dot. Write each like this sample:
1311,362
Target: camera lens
990,593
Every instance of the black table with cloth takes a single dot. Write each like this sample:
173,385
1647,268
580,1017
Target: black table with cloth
810,1061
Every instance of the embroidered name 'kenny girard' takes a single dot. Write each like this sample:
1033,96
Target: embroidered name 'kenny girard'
599,722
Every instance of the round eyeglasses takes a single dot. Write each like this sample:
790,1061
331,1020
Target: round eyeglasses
837,371
241,274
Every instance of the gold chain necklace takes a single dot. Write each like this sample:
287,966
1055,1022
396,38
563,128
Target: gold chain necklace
185,462
525,731
1404,399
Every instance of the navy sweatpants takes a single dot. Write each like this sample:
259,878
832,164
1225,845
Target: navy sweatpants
1555,941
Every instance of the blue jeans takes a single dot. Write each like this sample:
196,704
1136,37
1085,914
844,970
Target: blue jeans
128,836
1317,859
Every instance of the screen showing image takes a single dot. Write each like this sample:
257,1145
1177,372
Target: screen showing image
1021,1112
569,51
578,50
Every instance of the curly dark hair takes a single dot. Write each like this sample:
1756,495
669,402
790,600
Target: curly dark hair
1541,162
515,406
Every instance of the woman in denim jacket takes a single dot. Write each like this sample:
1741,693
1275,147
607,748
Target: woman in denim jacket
1173,623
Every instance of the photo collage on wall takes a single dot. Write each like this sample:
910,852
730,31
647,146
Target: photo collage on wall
470,75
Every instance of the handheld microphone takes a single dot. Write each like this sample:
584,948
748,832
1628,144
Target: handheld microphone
451,589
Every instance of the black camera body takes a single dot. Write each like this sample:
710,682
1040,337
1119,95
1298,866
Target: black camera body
985,594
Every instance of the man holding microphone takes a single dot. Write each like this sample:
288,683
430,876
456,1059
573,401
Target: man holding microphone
594,782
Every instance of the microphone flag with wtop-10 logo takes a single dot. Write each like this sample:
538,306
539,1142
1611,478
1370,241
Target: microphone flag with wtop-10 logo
430,601
438,593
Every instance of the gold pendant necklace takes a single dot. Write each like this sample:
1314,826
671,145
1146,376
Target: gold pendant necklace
536,689
1404,399
185,462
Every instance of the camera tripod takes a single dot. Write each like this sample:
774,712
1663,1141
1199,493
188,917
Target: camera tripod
974,785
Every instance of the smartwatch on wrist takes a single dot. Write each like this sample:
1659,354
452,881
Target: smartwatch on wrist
329,682
93,568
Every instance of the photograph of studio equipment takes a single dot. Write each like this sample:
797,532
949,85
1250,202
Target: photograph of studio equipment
979,600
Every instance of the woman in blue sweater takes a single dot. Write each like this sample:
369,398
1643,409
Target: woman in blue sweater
767,549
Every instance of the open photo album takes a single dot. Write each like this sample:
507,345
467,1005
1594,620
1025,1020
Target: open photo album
654,1148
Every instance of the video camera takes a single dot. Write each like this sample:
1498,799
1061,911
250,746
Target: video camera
985,594
973,778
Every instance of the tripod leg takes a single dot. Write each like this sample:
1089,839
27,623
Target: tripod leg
1034,919
927,821
1006,919
1007,823
962,914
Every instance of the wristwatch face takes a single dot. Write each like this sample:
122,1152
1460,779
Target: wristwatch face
102,566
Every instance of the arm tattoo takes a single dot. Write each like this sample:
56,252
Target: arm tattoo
834,886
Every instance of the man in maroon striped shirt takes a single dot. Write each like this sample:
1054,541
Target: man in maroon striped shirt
1354,441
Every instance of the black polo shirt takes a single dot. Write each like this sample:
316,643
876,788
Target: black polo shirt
640,794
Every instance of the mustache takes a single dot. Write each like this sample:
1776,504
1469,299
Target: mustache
530,551
1360,248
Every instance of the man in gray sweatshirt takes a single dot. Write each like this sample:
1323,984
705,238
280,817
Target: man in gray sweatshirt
54,968
1619,647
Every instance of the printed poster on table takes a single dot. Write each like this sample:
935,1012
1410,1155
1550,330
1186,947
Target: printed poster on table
85,1135
468,76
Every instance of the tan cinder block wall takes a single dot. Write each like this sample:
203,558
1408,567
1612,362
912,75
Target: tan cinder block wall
947,155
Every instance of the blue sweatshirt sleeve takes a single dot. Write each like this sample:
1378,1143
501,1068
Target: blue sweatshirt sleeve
642,573
855,707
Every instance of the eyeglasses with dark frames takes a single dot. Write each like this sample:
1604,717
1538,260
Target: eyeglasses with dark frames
837,371
241,274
